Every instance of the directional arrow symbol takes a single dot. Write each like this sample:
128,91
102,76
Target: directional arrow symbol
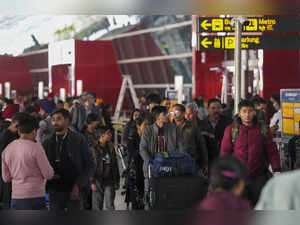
205,42
205,24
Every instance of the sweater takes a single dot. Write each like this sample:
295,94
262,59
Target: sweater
25,164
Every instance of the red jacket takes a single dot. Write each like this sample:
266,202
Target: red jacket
223,201
251,148
10,111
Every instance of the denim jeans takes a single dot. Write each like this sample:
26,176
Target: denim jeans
29,204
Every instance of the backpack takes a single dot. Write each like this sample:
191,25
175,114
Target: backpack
173,164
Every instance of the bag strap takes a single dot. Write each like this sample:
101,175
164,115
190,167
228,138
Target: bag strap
234,131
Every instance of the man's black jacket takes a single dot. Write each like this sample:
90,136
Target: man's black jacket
80,156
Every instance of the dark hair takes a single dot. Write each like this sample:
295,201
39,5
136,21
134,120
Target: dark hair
60,102
132,113
180,106
34,98
157,110
270,109
245,103
8,101
91,118
249,96
102,130
276,97
19,116
153,98
63,112
30,109
199,102
258,101
143,116
27,125
226,172
212,100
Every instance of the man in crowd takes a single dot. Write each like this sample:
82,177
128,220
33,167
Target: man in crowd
191,113
252,143
143,103
46,129
192,139
161,136
166,103
213,127
153,100
80,112
259,105
71,159
106,179
31,111
60,104
201,107
6,137
25,164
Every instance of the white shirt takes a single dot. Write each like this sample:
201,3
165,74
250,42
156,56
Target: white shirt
277,116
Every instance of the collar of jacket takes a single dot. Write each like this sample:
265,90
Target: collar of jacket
238,121
186,122
70,133
156,128
222,117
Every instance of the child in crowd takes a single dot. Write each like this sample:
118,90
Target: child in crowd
227,183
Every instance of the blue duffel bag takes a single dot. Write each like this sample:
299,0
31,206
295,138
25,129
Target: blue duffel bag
173,164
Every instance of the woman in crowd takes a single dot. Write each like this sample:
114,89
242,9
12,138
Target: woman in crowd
89,131
134,175
130,127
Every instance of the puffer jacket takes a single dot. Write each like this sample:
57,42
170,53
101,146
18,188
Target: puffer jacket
252,148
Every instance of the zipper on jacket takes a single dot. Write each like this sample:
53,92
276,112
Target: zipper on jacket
247,152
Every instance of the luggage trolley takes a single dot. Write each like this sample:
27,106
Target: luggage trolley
180,192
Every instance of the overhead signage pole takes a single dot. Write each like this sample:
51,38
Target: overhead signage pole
237,22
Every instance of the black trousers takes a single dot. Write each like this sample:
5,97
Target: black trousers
60,202
5,195
254,187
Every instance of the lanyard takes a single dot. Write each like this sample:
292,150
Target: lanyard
59,146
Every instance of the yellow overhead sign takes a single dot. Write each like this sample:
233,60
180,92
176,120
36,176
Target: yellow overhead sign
228,42
290,99
256,24
248,42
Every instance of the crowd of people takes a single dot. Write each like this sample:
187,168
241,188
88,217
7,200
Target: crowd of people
208,132
69,145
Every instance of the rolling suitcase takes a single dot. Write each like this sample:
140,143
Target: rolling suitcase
181,192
